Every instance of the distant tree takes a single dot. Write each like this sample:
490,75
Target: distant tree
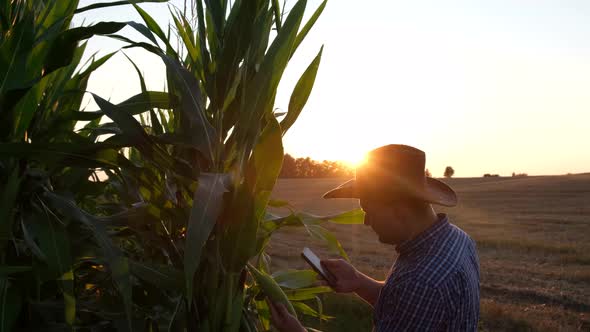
307,167
325,169
449,172
488,175
427,173
289,169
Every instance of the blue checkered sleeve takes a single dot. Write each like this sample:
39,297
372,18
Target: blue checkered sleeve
412,306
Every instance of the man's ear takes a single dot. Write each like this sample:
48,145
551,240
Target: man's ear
412,209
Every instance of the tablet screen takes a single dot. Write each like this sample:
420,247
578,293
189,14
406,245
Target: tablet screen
313,260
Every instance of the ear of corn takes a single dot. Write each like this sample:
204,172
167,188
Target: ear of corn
271,289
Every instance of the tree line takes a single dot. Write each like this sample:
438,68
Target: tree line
309,168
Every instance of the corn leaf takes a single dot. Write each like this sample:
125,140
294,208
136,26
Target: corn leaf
62,50
117,263
67,284
141,80
277,203
261,92
207,203
306,293
204,135
177,321
155,28
13,55
10,191
94,66
8,270
137,104
137,137
28,105
217,13
82,155
276,8
162,276
295,279
54,242
263,172
186,35
309,311
353,217
267,158
243,229
114,3
307,27
320,233
301,92
10,305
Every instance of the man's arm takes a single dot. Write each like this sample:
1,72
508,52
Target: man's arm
347,279
369,288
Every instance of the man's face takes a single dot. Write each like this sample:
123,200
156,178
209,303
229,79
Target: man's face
388,219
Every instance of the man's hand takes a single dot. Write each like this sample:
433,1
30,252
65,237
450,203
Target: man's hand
344,277
282,319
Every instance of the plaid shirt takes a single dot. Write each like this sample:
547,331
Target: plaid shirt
433,285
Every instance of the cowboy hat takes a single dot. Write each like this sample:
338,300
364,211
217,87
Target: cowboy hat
394,171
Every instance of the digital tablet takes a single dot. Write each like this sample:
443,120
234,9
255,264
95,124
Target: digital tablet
313,260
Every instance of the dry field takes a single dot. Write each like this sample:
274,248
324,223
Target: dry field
533,241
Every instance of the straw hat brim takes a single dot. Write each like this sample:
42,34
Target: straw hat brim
434,191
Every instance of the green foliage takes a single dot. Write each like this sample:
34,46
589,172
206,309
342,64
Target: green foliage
353,314
145,214
45,166
225,77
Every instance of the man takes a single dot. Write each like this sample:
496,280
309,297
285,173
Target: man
434,283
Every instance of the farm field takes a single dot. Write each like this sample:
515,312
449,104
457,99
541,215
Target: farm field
532,235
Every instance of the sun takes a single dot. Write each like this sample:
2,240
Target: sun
355,160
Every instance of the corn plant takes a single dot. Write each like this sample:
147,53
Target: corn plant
158,218
52,252
207,231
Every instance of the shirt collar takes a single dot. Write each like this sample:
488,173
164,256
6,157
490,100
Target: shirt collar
425,237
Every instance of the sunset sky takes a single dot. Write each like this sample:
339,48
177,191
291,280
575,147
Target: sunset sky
483,86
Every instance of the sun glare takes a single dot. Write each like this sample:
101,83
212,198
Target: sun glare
355,160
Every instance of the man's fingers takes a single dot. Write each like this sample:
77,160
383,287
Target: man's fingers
331,266
282,309
328,267
328,263
274,315
329,277
321,282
